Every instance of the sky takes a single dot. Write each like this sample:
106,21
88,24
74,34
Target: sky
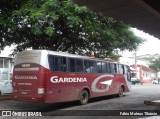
7,51
150,46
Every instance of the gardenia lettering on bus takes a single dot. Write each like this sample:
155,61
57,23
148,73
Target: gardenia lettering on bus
25,77
55,79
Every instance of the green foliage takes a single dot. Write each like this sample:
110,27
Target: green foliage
61,25
155,64
49,31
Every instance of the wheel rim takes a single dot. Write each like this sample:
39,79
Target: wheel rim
84,97
121,92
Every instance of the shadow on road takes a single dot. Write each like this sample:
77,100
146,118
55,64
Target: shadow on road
62,106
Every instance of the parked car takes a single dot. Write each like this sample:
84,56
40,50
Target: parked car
5,87
155,81
135,81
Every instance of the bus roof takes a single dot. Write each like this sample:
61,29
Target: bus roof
65,54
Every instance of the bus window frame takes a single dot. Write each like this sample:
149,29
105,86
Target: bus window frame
76,59
105,67
49,62
127,72
93,67
82,68
86,68
61,66
69,64
99,69
110,67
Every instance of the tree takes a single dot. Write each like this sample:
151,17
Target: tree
6,9
155,64
61,25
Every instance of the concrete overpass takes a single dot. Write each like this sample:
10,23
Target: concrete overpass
142,14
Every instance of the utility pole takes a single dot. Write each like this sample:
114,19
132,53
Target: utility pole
135,57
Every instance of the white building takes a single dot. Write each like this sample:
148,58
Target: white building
6,67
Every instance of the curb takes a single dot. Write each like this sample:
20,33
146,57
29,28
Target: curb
5,97
154,102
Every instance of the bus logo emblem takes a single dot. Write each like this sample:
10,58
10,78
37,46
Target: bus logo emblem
107,83
55,79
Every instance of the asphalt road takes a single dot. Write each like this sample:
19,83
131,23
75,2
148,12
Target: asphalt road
103,108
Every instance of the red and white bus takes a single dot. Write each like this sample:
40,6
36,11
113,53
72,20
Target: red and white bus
51,77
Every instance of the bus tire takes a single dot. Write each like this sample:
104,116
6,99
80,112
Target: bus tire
84,97
0,93
121,91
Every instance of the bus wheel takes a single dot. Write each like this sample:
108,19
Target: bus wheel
0,93
121,91
84,97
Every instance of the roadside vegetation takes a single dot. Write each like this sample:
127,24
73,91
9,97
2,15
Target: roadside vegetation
155,64
61,25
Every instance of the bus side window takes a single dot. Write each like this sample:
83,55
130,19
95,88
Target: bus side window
93,67
72,67
99,67
104,67
127,72
121,69
86,66
79,65
115,68
64,64
51,62
111,68
58,63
